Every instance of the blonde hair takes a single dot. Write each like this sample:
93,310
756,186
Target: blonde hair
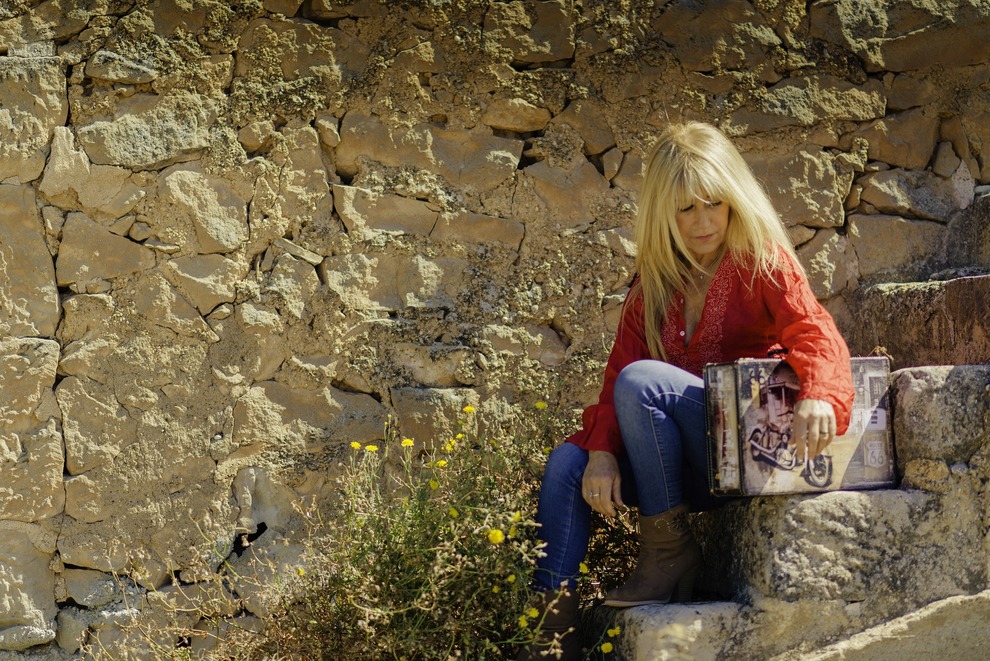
696,160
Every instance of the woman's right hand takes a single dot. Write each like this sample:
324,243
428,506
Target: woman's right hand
601,483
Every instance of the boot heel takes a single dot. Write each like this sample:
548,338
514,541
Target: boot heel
685,586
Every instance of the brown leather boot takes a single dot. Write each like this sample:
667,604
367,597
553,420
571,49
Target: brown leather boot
669,560
559,611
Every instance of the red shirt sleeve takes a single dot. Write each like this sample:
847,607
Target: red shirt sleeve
600,429
815,348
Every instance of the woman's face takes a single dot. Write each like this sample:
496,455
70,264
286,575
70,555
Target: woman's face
702,226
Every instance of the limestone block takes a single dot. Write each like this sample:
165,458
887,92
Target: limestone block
889,551
29,304
366,212
956,627
946,162
968,241
809,99
517,115
271,560
333,9
941,412
107,65
284,7
977,130
917,193
329,51
539,343
392,282
731,33
469,227
210,632
150,132
465,159
535,31
216,210
104,192
589,119
906,140
428,415
27,585
271,412
34,103
261,499
90,252
896,36
433,366
85,339
90,588
293,282
31,466
907,91
830,262
31,460
699,632
158,301
631,173
567,193
807,187
303,187
888,244
96,427
929,323
205,280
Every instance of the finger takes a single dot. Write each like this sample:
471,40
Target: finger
617,492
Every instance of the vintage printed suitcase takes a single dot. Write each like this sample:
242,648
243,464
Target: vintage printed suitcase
751,452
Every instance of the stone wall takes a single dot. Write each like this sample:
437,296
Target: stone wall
237,235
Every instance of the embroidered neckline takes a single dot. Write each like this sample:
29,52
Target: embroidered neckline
705,346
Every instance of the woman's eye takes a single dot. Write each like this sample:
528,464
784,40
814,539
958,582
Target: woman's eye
686,209
713,203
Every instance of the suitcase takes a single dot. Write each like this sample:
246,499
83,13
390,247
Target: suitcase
750,410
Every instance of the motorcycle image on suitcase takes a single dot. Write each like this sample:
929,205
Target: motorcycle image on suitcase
771,440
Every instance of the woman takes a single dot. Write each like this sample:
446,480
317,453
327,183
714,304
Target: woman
717,280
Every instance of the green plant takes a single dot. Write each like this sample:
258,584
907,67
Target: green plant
430,552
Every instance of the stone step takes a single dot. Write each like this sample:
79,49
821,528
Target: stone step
798,573
943,322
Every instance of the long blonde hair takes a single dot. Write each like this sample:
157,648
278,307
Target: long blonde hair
689,161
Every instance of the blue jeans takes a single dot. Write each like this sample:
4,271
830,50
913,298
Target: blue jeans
661,412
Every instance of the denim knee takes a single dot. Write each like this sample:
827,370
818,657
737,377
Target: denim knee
565,466
629,384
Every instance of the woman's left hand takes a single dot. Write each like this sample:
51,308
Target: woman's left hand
814,426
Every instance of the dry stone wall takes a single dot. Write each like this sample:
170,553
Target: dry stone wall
237,235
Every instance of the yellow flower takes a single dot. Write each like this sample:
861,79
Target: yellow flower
371,448
612,633
449,447
459,437
512,531
606,648
511,578
516,516
441,463
540,405
407,443
434,485
496,589
523,622
453,512
583,568
533,613
468,409
355,445
496,536
300,571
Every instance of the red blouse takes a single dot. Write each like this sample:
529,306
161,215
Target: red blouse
741,318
